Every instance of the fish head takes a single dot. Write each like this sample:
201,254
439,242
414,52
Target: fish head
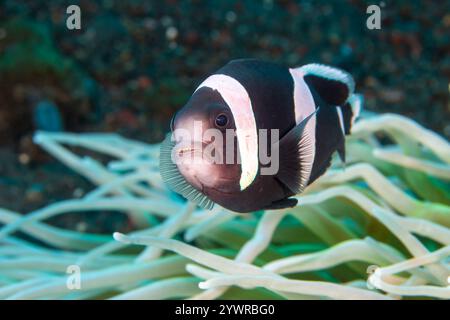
205,145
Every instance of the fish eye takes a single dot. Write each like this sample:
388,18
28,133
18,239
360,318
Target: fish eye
221,120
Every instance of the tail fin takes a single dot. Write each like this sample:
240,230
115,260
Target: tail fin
351,110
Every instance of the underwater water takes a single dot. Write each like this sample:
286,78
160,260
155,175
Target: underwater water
84,213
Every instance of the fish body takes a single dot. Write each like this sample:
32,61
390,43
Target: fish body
298,116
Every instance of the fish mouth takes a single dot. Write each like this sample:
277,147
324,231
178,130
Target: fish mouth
172,176
188,149
191,155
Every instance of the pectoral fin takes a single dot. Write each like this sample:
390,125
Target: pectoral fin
296,154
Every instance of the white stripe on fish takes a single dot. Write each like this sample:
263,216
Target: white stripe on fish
237,98
305,106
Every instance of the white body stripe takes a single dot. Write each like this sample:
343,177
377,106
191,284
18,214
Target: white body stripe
356,101
341,119
237,98
304,106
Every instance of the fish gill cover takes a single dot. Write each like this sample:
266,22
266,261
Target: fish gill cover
378,229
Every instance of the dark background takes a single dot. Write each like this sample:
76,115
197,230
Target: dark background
134,63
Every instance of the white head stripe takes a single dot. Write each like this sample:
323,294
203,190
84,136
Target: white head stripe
304,106
237,98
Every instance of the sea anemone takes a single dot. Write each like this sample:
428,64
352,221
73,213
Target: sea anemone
376,228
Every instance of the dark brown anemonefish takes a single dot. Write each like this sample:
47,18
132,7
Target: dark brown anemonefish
311,108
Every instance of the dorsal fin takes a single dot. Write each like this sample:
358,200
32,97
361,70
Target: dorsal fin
333,85
173,178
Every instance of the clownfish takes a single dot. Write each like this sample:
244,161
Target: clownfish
308,109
